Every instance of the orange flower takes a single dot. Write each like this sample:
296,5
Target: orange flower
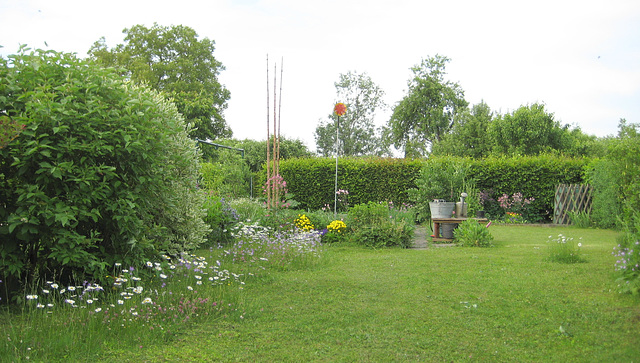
340,109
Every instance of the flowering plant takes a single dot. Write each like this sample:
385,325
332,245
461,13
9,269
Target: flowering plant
628,264
343,199
515,207
564,250
304,223
337,226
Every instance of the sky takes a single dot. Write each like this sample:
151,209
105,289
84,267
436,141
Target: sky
580,58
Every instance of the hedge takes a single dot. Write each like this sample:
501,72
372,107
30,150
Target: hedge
312,180
386,179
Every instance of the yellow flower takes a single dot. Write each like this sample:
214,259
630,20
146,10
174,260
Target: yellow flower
337,226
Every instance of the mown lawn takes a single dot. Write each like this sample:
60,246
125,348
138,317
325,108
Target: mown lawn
504,303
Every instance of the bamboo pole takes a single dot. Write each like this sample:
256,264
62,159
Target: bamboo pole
268,186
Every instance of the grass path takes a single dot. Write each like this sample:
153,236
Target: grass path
499,304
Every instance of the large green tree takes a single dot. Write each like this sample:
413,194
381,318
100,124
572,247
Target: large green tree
173,60
428,110
468,137
529,130
357,133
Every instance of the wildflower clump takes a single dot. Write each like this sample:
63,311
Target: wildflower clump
337,226
563,249
304,223
628,265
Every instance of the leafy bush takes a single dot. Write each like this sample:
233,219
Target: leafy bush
363,215
470,233
563,249
303,223
606,201
248,209
373,226
102,172
442,178
580,219
221,218
229,176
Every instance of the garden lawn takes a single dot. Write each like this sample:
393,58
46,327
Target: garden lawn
504,303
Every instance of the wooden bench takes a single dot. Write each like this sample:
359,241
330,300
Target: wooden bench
438,221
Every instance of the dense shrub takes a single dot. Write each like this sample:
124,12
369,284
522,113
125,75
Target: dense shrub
624,164
533,177
442,178
606,199
221,219
312,181
470,233
103,172
373,225
228,178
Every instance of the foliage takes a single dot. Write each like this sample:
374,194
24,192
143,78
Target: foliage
256,151
513,218
102,172
357,133
470,233
337,226
139,307
529,130
221,219
303,223
606,199
563,249
372,226
342,200
149,307
628,258
312,181
533,176
173,60
428,110
229,177
580,219
248,210
469,134
9,128
515,207
442,178
382,179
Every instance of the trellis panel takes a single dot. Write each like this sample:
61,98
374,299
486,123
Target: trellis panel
571,198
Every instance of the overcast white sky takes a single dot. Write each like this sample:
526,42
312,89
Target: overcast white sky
581,58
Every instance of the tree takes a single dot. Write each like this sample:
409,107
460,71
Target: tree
469,135
358,135
529,130
174,61
427,111
103,172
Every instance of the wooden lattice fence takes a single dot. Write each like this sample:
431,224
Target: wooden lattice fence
571,198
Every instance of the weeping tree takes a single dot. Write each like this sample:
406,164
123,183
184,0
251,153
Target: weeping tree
428,110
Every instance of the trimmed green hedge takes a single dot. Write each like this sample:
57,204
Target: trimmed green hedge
533,176
385,179
367,179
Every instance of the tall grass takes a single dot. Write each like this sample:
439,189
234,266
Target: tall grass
147,306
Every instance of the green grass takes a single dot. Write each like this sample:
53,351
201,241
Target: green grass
500,304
